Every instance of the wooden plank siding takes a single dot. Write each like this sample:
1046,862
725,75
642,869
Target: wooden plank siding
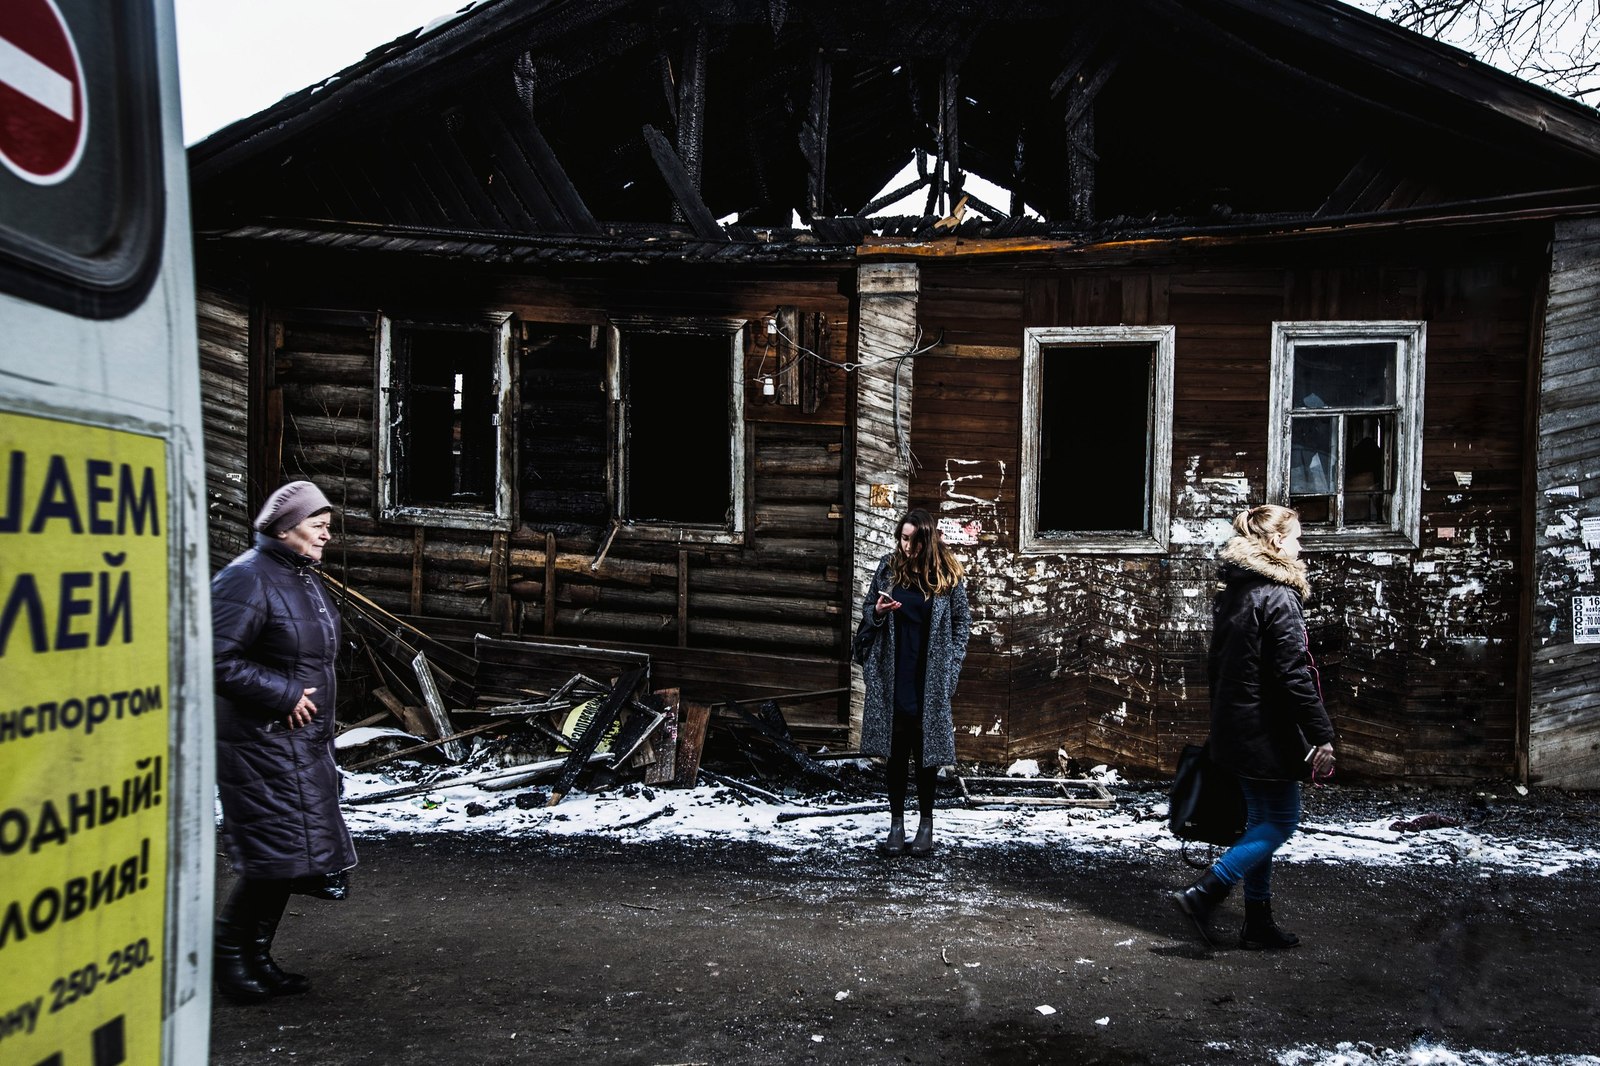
779,596
1105,656
223,321
1564,716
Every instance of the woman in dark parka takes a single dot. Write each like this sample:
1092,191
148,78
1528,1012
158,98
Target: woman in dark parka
1268,723
275,637
915,621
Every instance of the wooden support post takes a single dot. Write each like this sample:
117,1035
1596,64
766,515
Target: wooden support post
683,598
498,595
418,538
549,584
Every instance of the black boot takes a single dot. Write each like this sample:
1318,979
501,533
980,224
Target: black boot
233,958
1260,931
272,975
1199,900
922,843
894,844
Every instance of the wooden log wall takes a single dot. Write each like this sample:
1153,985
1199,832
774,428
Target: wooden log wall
223,321
1564,666
1104,657
564,570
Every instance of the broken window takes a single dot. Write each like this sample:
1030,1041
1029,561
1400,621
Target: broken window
1347,449
679,426
444,432
1097,438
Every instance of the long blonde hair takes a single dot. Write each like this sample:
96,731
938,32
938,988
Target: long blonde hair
933,567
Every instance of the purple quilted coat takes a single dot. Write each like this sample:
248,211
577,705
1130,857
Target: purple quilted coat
275,633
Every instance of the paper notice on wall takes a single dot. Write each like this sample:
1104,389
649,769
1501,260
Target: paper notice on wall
1586,619
957,531
1591,531
1580,563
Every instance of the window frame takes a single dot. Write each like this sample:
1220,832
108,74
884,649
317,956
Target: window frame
502,515
736,331
1403,529
1159,413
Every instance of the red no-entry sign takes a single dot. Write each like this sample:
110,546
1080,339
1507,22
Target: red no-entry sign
44,121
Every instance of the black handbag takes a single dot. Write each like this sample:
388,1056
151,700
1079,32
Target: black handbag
1206,804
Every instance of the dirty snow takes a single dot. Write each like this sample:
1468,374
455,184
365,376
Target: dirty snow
712,812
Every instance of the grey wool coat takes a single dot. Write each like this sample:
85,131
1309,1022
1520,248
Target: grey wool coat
950,624
275,633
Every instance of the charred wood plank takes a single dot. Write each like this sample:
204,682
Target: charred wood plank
683,188
814,136
691,742
584,746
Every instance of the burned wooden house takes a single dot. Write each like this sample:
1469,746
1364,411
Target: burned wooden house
637,325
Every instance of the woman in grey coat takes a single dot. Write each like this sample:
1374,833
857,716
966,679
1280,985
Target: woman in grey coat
912,639
275,637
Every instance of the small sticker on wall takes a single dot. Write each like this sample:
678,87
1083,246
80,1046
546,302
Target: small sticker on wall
881,496
1586,619
1590,527
1464,478
1581,564
1447,532
956,531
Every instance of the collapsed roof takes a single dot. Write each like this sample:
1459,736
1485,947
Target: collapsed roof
521,129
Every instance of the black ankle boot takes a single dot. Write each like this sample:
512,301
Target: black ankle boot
1199,900
1260,931
922,843
272,975
234,973
895,843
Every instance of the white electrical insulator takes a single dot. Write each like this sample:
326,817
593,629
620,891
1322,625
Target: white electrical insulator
768,386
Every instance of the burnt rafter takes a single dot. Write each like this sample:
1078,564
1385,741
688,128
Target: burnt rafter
682,187
814,136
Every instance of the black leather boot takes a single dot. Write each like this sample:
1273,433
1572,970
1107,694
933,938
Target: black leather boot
272,975
1199,900
1260,932
922,843
233,958
894,844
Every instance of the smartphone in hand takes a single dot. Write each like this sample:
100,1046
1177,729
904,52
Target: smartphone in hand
887,602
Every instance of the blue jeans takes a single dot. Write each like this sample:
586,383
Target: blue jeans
1273,814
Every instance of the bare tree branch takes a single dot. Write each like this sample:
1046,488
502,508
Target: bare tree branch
1553,43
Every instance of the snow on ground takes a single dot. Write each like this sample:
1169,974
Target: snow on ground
712,812
1418,1055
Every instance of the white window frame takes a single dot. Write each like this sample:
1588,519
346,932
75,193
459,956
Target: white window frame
1037,343
501,516
731,531
1403,529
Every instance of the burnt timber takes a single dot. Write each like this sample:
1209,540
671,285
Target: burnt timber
613,187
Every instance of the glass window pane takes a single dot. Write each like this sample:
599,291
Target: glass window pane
1311,456
1344,375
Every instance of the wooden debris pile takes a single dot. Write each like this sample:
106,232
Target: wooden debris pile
517,712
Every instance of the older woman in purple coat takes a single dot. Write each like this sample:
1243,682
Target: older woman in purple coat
275,639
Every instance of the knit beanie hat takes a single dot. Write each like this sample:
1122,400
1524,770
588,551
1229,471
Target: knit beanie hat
289,506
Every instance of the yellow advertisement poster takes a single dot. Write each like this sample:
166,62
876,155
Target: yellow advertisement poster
83,742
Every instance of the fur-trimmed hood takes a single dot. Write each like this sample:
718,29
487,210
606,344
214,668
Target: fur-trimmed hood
1253,555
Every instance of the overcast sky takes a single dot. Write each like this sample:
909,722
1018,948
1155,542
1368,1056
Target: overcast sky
236,57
